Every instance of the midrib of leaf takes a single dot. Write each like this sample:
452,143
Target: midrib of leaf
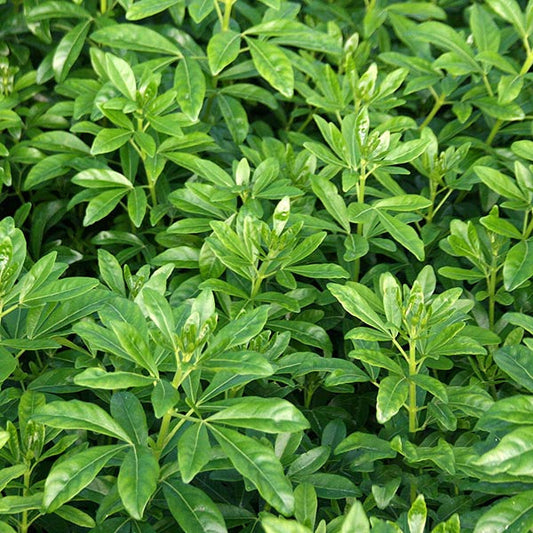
191,509
239,452
257,50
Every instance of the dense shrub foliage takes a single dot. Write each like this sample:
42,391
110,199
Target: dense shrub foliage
266,266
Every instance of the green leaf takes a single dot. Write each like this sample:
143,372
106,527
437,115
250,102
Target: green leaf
509,10
499,183
273,65
375,358
406,151
160,312
432,385
194,451
513,454
55,9
12,505
75,516
135,345
189,83
320,271
6,528
239,331
486,33
47,169
523,149
100,206
452,525
305,332
332,200
405,202
257,462
518,265
128,411
135,37
101,178
204,168
137,205
235,117
305,248
509,413
137,480
392,394
276,524
164,397
75,414
57,291
517,361
192,508
10,473
146,8
402,233
222,49
417,514
8,364
109,139
309,462
332,486
272,415
121,75
491,106
509,515
71,475
325,154
350,298
60,141
443,36
98,378
355,520
200,9
305,504
69,49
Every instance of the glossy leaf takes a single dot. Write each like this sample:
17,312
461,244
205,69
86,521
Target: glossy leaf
194,451
68,477
263,414
194,511
75,414
190,86
512,515
138,479
273,65
222,49
257,462
517,362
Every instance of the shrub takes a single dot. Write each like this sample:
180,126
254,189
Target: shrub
266,266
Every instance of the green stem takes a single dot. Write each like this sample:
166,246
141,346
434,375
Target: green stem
256,286
178,426
103,6
439,102
227,14
528,227
413,425
491,284
495,129
24,525
360,200
163,433
487,85
219,12
529,58
8,310
443,201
